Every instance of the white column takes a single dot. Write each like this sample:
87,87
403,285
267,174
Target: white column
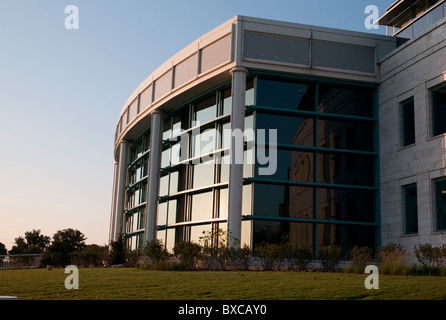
236,154
121,188
154,167
113,213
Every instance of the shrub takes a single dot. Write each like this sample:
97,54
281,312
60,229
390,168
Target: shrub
271,255
214,249
392,259
155,256
239,258
360,257
432,259
298,257
188,253
330,257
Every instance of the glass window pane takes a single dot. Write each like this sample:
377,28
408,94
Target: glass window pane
224,168
280,232
408,122
223,204
346,236
180,121
346,205
146,140
164,186
247,200
162,214
439,111
346,169
225,135
205,111
345,135
177,181
202,205
227,102
440,189
204,142
292,165
290,130
356,101
167,129
197,231
176,211
203,174
249,95
283,201
410,209
287,95
165,158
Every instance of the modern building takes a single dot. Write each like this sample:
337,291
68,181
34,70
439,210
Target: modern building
282,132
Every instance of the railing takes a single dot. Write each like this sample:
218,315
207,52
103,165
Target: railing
432,16
20,261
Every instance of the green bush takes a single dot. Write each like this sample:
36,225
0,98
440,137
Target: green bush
330,257
188,253
239,257
155,256
298,257
271,255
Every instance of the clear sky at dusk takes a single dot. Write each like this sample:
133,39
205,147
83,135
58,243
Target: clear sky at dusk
61,92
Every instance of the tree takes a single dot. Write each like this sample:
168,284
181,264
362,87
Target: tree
65,244
3,249
33,242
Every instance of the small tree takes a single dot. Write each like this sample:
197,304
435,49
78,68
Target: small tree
117,252
92,255
65,244
3,249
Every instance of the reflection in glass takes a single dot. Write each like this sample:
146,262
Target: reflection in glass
292,165
290,130
196,232
202,205
205,111
345,135
203,174
346,205
223,203
356,101
346,169
285,95
346,236
162,214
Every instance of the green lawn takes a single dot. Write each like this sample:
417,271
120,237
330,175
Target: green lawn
129,284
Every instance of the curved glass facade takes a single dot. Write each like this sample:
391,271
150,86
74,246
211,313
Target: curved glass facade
324,186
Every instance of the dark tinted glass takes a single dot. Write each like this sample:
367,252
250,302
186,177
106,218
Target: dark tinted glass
286,95
346,100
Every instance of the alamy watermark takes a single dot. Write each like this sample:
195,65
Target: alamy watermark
72,20
373,16
72,280
205,143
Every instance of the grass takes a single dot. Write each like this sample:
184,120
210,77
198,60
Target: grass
136,284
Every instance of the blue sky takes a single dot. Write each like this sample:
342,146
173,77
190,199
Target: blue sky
61,92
